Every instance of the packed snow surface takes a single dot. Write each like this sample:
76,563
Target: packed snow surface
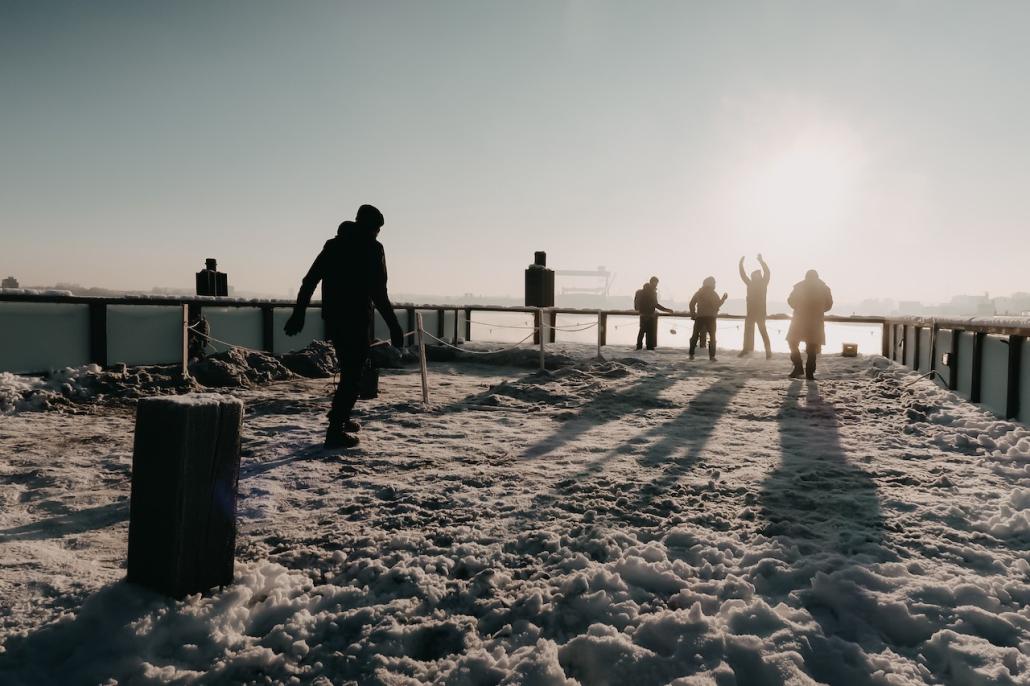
643,520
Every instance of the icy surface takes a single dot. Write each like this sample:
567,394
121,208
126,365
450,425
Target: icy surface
637,521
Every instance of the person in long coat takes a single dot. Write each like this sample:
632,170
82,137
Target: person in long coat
811,300
645,302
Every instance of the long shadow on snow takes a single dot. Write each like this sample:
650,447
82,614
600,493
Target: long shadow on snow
682,440
607,406
77,522
825,512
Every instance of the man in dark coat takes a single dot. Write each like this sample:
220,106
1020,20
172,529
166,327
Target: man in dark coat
811,300
704,308
645,302
757,287
352,269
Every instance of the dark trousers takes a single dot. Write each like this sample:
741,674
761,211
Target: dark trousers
811,349
749,333
351,344
703,325
648,328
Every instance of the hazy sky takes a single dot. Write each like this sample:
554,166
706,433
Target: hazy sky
886,144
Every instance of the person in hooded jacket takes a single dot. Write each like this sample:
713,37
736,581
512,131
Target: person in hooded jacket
757,288
645,302
352,269
704,308
811,300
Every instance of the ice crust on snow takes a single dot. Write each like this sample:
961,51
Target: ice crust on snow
635,521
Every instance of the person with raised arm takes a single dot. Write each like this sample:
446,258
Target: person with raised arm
352,269
704,308
811,299
757,289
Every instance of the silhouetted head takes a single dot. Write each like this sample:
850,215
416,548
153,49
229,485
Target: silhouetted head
709,282
811,275
369,217
756,274
653,281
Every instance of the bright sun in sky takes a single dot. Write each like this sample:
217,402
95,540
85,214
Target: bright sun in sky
808,183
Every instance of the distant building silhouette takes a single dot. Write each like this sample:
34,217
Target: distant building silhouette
9,282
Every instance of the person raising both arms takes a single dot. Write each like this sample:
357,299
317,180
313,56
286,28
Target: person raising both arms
704,308
757,288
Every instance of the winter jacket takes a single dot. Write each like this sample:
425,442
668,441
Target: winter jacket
811,299
757,290
706,302
645,302
352,269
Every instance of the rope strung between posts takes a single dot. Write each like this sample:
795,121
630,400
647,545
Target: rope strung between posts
924,376
479,352
571,329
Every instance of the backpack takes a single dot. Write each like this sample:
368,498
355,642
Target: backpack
637,299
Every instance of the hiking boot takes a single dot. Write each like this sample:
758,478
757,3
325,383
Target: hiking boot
798,372
335,438
640,347
768,354
691,355
810,376
743,353
351,427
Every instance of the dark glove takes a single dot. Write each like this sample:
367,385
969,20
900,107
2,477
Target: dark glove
397,337
295,323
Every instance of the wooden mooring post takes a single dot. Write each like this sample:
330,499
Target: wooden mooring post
182,512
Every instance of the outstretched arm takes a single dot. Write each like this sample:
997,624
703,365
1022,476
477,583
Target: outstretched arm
663,308
307,288
743,274
381,299
765,269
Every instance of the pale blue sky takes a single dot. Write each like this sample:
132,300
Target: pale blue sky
885,144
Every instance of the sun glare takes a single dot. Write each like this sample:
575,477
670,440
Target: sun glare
810,183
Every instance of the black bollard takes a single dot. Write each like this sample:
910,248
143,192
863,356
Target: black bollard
182,515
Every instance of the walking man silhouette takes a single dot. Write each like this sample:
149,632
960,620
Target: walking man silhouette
811,300
352,269
704,308
645,302
757,288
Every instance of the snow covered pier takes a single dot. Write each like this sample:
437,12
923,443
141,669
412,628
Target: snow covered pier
639,521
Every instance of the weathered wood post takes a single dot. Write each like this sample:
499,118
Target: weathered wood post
184,371
953,359
268,328
1015,374
885,341
423,369
552,323
541,334
468,324
98,333
538,325
977,363
182,512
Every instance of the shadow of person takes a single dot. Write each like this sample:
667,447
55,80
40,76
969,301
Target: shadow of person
77,522
823,518
818,499
101,640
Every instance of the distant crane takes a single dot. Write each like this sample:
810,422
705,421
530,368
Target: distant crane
602,289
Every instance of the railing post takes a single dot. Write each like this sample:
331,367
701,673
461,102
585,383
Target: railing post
409,313
537,327
1012,408
978,363
602,329
468,324
98,333
440,328
917,335
423,370
542,336
454,338
184,369
934,330
953,359
553,324
885,341
267,328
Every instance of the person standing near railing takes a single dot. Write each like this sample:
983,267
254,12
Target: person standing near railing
811,300
352,269
704,308
757,289
645,302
